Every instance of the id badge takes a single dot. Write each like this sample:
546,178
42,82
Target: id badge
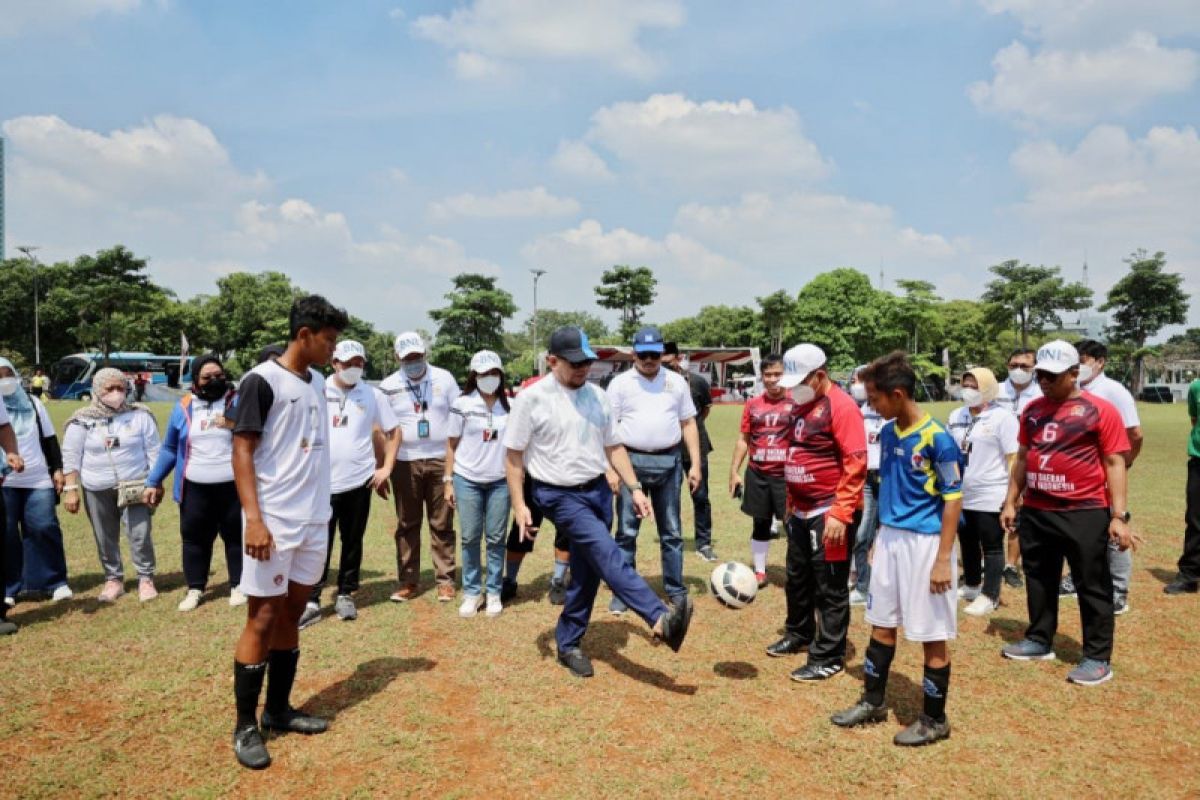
205,424
488,434
422,429
112,442
341,420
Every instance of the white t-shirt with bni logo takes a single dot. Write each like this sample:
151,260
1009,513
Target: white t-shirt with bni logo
649,411
103,452
479,429
210,443
986,441
420,406
352,417
291,461
563,432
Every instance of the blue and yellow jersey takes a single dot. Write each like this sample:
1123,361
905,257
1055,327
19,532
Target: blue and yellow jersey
918,472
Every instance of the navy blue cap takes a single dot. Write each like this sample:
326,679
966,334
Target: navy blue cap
648,340
572,344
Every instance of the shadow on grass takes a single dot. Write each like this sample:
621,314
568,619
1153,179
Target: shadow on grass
904,696
369,679
1163,576
605,641
735,670
49,611
1013,631
380,591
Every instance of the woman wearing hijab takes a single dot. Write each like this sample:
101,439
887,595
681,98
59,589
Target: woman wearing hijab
35,561
198,446
106,442
986,435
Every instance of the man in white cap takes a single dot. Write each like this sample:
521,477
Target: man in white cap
355,410
421,394
1071,470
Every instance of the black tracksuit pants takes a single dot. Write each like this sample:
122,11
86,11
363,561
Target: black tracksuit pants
818,597
351,510
206,511
1189,562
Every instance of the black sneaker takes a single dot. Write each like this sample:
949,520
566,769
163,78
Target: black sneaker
1066,588
1120,605
788,645
675,623
557,595
811,673
508,590
293,721
1181,586
1012,577
922,732
250,749
707,553
861,713
579,664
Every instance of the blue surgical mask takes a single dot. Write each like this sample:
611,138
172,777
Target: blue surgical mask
414,369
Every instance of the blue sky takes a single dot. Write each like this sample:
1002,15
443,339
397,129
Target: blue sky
374,149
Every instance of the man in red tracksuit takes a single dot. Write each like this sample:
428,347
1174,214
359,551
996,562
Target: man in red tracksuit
826,472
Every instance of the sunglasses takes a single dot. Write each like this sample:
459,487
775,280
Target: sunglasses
587,362
1042,376
647,356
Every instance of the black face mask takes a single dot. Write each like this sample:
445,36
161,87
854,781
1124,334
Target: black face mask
213,390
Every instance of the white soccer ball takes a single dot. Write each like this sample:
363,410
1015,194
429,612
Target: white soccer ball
734,584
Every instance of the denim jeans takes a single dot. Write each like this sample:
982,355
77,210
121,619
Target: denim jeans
482,514
866,534
659,476
33,542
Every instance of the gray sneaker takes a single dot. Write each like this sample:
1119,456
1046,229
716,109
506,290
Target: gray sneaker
311,616
1090,672
1026,650
707,553
616,607
344,607
1067,587
925,730
1120,605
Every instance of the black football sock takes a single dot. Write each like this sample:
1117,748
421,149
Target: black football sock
281,664
247,685
876,665
936,684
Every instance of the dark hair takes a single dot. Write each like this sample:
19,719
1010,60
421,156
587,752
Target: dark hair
670,348
892,372
269,352
315,313
1092,348
771,361
472,384
1021,351
199,362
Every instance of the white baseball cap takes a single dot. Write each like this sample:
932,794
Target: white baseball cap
799,362
408,343
347,349
1057,357
485,361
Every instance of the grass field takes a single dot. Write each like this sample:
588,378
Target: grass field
136,700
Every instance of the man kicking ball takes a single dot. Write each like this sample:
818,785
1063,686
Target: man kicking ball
281,468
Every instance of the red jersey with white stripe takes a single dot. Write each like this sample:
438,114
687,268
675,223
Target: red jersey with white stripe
1067,443
769,425
827,461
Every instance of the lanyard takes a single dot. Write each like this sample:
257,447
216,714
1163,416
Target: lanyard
420,406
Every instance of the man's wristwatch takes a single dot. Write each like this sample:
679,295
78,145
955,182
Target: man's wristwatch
1124,517
447,479
635,486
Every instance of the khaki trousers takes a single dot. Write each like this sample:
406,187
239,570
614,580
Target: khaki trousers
418,490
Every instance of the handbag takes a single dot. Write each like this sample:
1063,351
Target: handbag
129,493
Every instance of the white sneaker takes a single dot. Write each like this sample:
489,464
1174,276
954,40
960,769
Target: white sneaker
62,593
190,600
11,602
470,606
858,598
494,606
981,606
236,598
969,593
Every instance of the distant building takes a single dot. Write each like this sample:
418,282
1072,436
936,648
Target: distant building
1086,326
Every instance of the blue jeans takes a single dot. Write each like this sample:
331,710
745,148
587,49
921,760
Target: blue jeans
660,479
585,514
482,514
866,534
33,542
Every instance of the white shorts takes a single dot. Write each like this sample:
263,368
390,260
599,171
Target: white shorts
899,595
298,557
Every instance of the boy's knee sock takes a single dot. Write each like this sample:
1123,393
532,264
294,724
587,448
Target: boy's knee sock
247,685
936,684
876,664
281,664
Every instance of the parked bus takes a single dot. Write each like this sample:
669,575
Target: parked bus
71,377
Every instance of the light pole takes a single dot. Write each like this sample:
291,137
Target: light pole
28,250
537,273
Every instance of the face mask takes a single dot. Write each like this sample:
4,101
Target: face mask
1020,377
114,398
1085,373
972,398
9,386
414,369
351,375
803,394
488,384
213,390
859,392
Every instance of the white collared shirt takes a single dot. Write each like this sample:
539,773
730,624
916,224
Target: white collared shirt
649,411
479,429
562,432
352,415
428,399
1108,389
1016,401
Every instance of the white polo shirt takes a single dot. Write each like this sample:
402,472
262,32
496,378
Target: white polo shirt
479,456
872,425
985,441
103,452
210,444
36,474
1016,401
1105,387
427,399
352,416
649,412
563,432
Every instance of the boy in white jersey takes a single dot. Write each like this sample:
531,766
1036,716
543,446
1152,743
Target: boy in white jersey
281,467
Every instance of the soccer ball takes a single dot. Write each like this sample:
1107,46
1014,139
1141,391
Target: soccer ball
734,584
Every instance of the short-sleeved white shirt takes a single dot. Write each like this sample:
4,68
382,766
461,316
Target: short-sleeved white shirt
872,425
430,399
103,452
352,417
985,441
563,432
1016,401
479,456
649,412
210,443
35,475
1105,387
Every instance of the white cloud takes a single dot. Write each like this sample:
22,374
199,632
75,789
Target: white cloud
1080,86
21,16
535,202
715,146
474,66
552,30
576,159
1091,23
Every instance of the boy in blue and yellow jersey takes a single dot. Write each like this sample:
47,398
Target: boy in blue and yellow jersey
912,571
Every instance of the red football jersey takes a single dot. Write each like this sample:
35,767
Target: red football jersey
1067,444
769,424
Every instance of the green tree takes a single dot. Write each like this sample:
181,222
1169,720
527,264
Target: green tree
917,313
717,326
473,321
1029,298
628,290
1143,302
777,310
843,314
251,311
548,320
970,335
56,319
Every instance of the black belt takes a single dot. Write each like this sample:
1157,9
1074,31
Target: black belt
586,485
666,451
